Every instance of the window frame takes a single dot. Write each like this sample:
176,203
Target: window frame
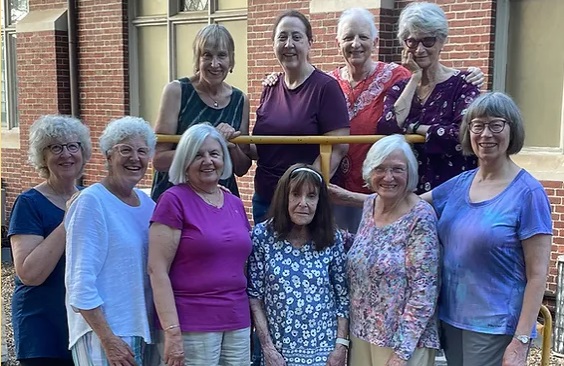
500,72
10,60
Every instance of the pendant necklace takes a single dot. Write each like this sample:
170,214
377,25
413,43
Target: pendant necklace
215,103
60,196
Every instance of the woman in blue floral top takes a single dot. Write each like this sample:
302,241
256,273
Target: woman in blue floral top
297,281
393,265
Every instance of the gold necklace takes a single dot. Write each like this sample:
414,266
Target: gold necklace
201,193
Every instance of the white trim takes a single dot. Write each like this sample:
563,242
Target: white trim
501,41
170,45
328,6
10,138
562,120
44,20
542,163
133,62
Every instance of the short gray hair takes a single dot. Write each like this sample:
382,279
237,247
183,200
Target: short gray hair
49,129
357,14
494,104
422,17
189,145
381,149
124,128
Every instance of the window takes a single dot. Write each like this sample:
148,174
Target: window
161,39
528,66
12,12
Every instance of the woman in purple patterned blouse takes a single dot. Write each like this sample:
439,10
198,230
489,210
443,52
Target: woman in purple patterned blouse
432,101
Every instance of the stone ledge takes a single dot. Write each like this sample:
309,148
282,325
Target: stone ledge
329,6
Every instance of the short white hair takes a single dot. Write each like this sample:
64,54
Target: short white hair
189,145
422,17
125,128
356,15
49,129
381,149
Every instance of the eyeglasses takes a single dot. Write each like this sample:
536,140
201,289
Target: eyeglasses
413,43
495,126
395,170
57,149
127,151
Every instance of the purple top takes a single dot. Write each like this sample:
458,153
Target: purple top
484,271
208,271
393,274
314,108
440,157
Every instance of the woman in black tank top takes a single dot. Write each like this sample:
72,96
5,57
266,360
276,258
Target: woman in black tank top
204,97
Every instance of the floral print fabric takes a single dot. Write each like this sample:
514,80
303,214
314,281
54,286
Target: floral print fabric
440,157
303,291
393,280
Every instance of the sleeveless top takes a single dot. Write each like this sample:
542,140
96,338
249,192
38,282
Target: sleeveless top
192,111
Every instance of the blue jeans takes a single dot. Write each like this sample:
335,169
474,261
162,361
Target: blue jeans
260,209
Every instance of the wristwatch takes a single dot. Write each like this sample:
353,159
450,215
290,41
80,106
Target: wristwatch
525,339
343,341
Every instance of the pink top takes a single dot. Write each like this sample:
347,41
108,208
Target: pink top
208,271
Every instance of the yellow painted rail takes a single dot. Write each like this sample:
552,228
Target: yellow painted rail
545,331
325,143
300,140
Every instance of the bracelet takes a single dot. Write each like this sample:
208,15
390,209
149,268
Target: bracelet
171,327
415,126
343,341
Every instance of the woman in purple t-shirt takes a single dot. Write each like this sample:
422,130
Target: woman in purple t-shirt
199,242
306,102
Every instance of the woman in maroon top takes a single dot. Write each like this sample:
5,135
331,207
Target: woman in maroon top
306,102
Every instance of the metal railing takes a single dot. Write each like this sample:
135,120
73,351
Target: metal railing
545,330
325,143
325,147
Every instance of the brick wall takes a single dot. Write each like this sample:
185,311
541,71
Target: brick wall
42,69
555,192
104,73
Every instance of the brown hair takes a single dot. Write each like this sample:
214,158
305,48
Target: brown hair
322,227
295,14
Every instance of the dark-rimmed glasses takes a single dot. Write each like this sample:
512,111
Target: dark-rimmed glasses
495,126
413,43
126,150
57,149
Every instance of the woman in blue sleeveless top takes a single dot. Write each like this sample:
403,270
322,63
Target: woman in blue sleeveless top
204,97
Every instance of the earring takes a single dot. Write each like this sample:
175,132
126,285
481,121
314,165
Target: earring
230,71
